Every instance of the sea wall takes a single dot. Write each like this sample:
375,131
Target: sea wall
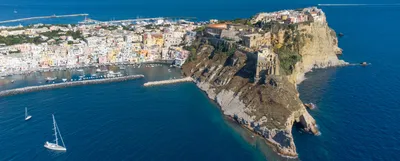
66,84
187,79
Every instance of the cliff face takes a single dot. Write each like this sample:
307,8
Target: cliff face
271,107
320,49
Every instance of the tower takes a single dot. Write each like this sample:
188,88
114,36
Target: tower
267,63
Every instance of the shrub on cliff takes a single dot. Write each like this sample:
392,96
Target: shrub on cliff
288,59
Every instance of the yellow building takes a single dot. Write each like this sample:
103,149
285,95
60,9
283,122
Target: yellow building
284,17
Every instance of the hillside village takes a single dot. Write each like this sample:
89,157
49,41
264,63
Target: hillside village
256,36
45,46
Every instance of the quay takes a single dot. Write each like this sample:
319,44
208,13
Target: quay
66,84
187,79
43,17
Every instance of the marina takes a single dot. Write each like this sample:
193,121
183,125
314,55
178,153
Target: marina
66,84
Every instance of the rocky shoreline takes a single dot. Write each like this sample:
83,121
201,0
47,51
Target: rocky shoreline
271,107
231,106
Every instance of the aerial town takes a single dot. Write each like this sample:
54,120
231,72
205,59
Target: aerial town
40,46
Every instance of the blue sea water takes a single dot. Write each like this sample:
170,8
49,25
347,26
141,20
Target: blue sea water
358,109
120,121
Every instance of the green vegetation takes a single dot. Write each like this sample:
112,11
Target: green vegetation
75,34
52,34
225,48
231,51
149,26
275,26
200,29
242,21
56,34
128,28
193,52
288,59
109,27
19,39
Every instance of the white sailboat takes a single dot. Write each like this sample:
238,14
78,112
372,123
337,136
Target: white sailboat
27,117
55,146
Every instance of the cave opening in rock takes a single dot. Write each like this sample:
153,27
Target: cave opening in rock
298,126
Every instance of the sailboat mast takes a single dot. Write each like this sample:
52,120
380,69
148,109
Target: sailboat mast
55,129
62,141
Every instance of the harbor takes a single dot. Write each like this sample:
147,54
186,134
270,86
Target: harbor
66,84
172,81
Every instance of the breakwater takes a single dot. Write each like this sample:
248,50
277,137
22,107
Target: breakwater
44,17
66,84
187,79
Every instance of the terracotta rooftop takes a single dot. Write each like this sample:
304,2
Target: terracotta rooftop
218,26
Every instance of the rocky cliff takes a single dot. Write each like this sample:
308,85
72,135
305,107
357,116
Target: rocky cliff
319,50
269,107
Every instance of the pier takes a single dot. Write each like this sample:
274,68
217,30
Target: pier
66,84
43,17
187,79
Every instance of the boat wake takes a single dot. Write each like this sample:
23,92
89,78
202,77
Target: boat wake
395,4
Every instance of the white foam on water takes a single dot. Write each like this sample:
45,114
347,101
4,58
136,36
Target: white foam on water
395,4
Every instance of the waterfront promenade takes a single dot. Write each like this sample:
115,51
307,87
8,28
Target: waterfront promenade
154,83
66,84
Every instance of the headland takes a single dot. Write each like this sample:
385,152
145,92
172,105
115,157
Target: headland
251,67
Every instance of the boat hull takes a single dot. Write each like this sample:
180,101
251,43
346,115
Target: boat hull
55,147
27,118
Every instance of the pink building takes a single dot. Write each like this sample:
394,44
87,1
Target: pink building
102,59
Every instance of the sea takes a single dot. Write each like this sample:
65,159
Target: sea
357,111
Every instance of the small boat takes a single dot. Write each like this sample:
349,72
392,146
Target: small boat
80,70
12,81
51,78
364,63
27,117
64,80
340,34
55,146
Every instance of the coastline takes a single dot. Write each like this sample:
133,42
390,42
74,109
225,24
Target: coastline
66,84
249,130
58,68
